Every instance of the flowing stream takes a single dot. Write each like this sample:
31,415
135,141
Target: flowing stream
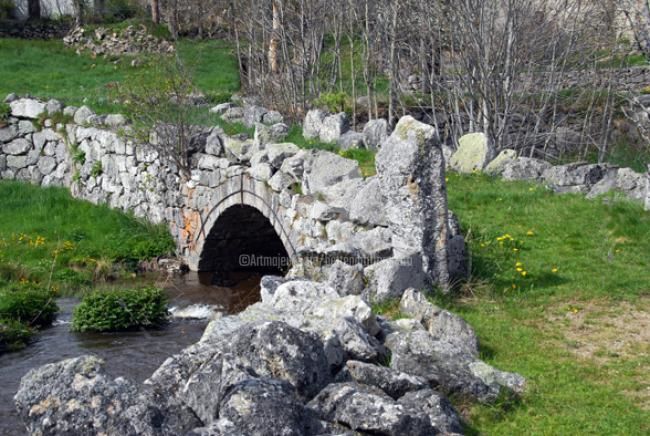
133,355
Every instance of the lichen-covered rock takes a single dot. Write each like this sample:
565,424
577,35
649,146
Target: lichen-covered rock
411,172
272,118
368,410
17,147
265,134
325,169
83,115
441,324
351,140
8,133
392,382
473,154
277,153
524,168
253,114
313,124
574,178
375,133
333,127
367,207
496,166
346,279
75,396
442,415
389,278
27,108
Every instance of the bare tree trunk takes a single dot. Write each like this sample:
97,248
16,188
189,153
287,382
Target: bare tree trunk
393,66
155,11
275,37
34,9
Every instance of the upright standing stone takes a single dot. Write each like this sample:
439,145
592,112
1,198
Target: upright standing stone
647,194
411,172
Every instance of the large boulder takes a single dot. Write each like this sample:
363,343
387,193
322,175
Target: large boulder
441,324
411,173
497,165
75,396
524,168
325,169
392,382
624,180
375,133
313,124
277,153
27,108
333,127
368,410
473,154
574,178
389,278
367,207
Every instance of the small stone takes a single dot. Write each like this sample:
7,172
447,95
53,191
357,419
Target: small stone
83,115
17,147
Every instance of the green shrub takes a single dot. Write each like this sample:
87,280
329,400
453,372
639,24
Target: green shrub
120,310
333,101
97,169
30,306
5,111
6,9
13,335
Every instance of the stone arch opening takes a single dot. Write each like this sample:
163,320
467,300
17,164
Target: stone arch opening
243,240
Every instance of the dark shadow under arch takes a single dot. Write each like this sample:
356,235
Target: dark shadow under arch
243,240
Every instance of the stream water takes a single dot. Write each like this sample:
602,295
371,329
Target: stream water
133,355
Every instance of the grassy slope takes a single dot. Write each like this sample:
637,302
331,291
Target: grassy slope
601,252
48,69
41,226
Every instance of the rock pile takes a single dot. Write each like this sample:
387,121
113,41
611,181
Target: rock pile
304,361
104,42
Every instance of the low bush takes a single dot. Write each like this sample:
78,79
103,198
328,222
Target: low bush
120,310
13,335
33,307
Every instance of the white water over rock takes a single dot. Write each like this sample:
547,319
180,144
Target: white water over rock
197,311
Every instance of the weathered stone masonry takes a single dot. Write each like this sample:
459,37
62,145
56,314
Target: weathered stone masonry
393,227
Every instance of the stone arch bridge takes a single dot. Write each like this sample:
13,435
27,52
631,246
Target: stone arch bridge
272,206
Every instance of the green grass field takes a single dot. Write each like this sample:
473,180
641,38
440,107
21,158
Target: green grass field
577,324
48,69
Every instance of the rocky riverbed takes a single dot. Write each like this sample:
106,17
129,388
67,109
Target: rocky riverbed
303,361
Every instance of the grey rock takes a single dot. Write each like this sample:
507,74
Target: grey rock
574,178
313,124
497,166
268,286
367,207
389,278
346,279
25,127
272,117
351,140
220,109
27,108
295,165
17,147
69,111
3,163
442,415
367,410
441,324
333,127
75,396
473,154
262,172
375,133
445,366
447,153
53,107
233,115
265,134
83,115
115,120
47,165
411,173
44,136
264,406
525,168
631,183
392,382
8,133
10,98
253,114
326,169
213,143
277,153
281,181
236,150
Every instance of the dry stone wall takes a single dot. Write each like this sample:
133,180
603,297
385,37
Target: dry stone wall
329,218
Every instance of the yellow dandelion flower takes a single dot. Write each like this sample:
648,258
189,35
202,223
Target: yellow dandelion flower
555,269
524,273
530,233
515,250
520,269
514,286
519,264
